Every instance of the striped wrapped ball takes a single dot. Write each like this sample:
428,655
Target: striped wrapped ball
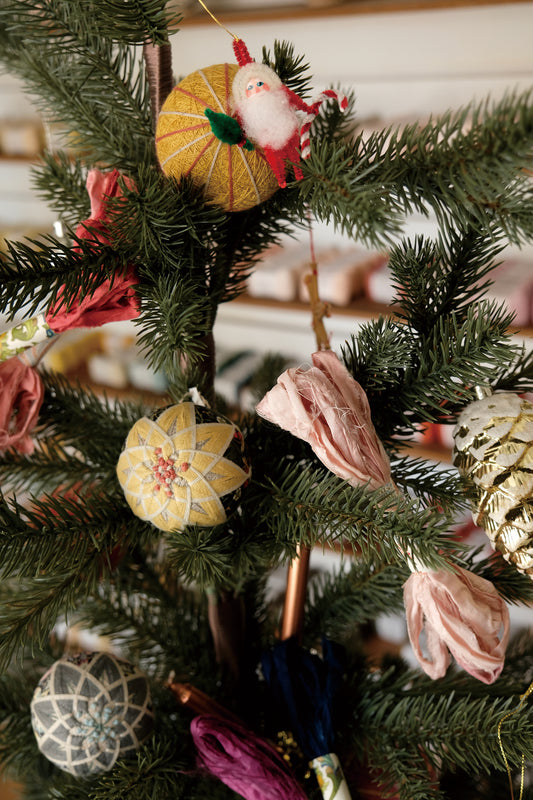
231,177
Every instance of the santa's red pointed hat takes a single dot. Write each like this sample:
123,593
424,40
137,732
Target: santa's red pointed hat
241,53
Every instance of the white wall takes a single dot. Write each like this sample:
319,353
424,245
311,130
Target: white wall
400,64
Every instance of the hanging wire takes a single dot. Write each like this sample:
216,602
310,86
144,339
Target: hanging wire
217,20
523,699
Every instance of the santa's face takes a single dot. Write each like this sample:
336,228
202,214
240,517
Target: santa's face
255,86
263,107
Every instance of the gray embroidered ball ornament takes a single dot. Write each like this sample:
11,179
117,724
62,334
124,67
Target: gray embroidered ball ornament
90,710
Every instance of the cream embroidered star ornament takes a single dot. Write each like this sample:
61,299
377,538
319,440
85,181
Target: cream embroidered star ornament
185,467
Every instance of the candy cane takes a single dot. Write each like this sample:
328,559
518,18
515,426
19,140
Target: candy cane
305,144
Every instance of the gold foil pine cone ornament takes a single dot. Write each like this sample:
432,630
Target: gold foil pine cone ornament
494,454
184,466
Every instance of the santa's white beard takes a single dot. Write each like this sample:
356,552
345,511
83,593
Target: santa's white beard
268,119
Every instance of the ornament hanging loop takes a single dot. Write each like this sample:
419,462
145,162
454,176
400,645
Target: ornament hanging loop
483,391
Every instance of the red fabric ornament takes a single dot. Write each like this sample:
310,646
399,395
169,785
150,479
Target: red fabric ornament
115,299
21,397
462,614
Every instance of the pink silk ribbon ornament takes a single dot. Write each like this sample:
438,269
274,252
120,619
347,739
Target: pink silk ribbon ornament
462,614
115,299
327,408
243,761
21,397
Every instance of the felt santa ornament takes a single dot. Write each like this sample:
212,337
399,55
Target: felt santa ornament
267,112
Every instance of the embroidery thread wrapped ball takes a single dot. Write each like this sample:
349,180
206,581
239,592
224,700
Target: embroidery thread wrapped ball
89,710
232,177
184,467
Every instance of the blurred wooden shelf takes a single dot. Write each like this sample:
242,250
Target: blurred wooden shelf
316,9
5,159
360,308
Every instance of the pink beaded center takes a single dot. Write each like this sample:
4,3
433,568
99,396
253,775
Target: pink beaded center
166,472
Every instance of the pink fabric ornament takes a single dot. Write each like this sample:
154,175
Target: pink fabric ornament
21,397
327,408
243,761
461,614
115,299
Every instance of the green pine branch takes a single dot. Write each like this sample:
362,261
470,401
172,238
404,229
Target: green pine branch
34,273
157,771
345,189
435,278
291,68
60,181
133,22
449,723
462,353
68,457
76,22
161,224
157,622
489,194
58,533
512,585
29,609
339,602
95,426
458,166
226,556
411,380
430,482
175,323
47,469
334,124
69,66
54,555
383,519
516,375
19,748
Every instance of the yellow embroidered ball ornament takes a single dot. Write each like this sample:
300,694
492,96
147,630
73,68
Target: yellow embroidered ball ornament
184,467
232,177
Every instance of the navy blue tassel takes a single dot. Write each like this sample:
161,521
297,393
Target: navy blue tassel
303,687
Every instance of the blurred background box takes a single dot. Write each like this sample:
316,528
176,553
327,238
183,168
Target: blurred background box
22,138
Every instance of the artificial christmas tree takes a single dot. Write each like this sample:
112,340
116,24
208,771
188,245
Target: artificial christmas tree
191,601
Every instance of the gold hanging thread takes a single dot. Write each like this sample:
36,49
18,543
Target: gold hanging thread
218,22
523,699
